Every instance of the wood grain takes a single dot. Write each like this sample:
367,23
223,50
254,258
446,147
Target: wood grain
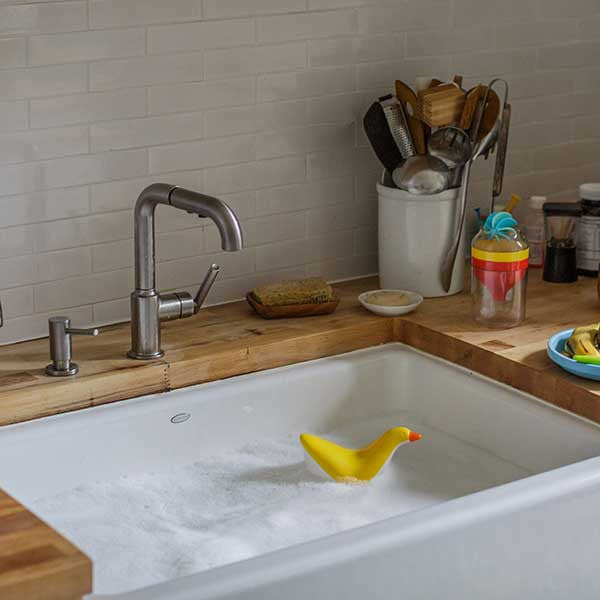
37,563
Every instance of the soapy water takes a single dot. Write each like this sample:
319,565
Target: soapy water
150,527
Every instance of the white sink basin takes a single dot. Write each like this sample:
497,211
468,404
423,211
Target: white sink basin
499,499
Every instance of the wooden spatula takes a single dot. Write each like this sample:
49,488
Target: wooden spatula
473,96
408,99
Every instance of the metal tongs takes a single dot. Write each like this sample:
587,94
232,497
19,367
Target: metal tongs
483,147
502,144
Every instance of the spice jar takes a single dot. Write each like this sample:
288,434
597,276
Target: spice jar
560,222
499,261
588,230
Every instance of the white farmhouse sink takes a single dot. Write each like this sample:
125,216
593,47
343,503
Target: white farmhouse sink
202,493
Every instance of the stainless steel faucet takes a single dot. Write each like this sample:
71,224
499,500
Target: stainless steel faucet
149,307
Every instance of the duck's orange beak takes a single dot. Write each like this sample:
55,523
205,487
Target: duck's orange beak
414,436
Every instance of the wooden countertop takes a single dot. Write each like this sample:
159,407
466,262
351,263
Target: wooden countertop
230,340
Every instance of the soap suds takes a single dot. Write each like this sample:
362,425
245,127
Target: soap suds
144,528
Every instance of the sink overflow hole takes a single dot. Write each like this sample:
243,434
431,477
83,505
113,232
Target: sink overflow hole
180,418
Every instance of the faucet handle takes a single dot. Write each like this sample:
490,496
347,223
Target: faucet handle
181,305
205,286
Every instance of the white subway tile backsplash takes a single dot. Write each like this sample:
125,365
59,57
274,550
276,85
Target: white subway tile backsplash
565,155
305,139
260,103
330,163
86,45
435,43
13,52
16,271
112,256
280,255
78,170
573,8
250,119
44,206
181,244
344,268
132,72
223,9
545,133
256,175
304,84
150,131
42,81
532,85
112,311
234,62
336,217
474,12
86,108
339,107
389,16
349,51
43,17
586,127
188,37
15,241
291,198
589,28
321,4
122,13
197,155
55,266
489,64
544,33
17,302
93,229
13,115
78,291
582,54
25,146
188,97
305,26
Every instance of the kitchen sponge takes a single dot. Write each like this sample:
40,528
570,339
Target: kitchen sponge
313,290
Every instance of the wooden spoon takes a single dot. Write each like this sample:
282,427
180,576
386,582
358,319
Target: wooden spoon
473,96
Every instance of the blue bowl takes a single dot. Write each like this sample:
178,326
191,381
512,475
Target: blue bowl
556,346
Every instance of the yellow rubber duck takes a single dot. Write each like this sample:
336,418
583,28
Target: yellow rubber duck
347,465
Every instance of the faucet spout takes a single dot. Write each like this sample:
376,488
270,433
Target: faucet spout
215,209
148,306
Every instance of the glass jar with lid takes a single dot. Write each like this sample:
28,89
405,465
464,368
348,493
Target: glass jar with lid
588,230
499,261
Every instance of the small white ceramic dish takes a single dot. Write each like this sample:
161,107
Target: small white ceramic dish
391,311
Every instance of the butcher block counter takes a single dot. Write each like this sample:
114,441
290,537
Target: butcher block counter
229,340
